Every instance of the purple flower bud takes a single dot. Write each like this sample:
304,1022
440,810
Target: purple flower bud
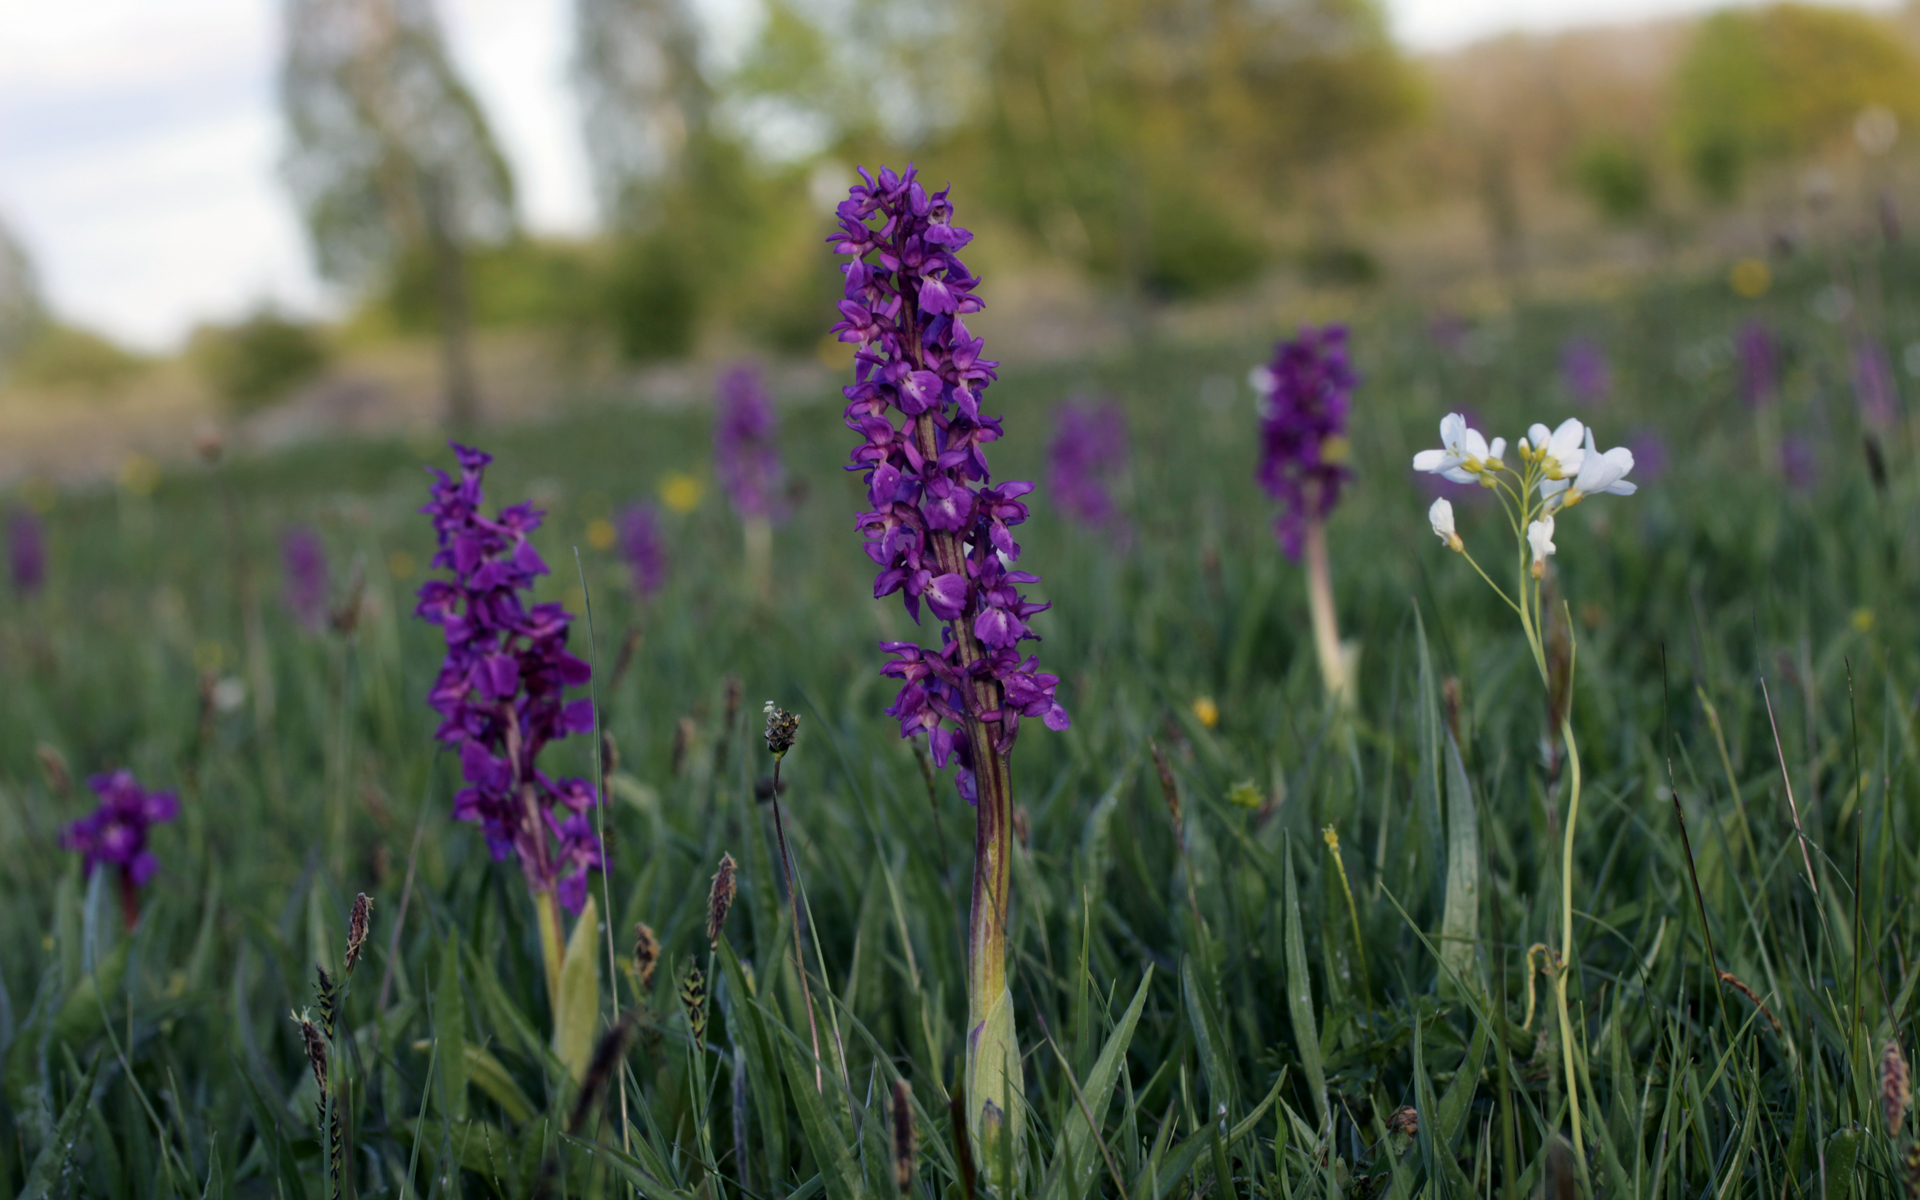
641,546
1649,454
1089,448
938,528
306,567
27,552
1759,365
115,834
1584,371
1303,430
745,454
501,690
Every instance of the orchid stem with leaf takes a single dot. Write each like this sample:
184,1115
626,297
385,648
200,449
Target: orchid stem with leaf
1556,470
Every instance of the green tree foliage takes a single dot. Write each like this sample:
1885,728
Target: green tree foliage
389,154
1616,176
259,360
21,309
58,355
1145,139
1767,84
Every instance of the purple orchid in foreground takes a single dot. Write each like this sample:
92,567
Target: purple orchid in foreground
941,533
501,695
115,834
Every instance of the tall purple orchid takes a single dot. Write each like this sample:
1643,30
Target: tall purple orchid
501,695
115,834
1306,395
941,532
305,562
26,552
642,547
1089,447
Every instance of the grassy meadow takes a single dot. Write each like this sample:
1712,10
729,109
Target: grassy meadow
1235,993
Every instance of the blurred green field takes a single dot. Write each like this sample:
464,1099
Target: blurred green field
323,781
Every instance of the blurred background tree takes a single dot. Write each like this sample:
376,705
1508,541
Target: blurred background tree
256,361
22,311
391,159
1761,86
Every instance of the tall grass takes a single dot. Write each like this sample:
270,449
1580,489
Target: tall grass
1241,993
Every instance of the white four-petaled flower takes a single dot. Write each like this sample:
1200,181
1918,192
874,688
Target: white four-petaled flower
1598,473
1540,537
1441,517
1464,455
1560,451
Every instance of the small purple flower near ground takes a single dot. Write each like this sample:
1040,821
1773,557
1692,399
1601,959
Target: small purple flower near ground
642,547
501,691
1307,393
1584,370
305,561
114,835
1089,447
938,528
1873,386
27,552
746,455
1759,365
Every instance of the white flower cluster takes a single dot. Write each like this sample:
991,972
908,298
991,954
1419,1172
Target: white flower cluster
1558,469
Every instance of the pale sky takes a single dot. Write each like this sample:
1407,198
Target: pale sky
139,140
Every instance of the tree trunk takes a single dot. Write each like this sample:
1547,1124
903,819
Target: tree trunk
450,292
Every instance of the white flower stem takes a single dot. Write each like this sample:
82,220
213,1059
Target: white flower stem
1326,630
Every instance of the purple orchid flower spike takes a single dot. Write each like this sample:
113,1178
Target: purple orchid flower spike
642,547
114,835
1584,371
27,552
1873,386
1306,395
1759,360
305,561
1089,448
746,457
941,533
501,695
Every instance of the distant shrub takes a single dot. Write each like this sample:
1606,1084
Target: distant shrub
64,356
651,298
1340,265
1615,176
521,283
259,360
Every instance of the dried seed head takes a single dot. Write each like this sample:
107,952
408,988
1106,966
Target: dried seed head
782,728
1405,1120
357,922
903,1135
736,693
693,998
1913,1170
1022,826
1895,1087
609,754
316,1044
962,1144
720,899
54,766
646,954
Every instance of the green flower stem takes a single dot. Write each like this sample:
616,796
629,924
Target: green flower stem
553,942
993,1076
